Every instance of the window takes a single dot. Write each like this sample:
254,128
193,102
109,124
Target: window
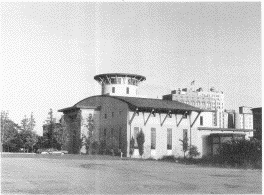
120,138
169,139
118,80
127,90
153,138
136,131
112,132
201,120
185,134
113,80
214,119
113,89
105,133
112,114
105,115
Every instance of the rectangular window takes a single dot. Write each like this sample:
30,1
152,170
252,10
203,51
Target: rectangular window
113,89
214,119
113,80
105,115
105,133
112,114
136,131
127,90
118,80
120,138
185,134
201,120
153,138
112,132
169,139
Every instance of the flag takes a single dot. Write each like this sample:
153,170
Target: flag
192,83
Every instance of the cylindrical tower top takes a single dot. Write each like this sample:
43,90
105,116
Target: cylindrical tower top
119,84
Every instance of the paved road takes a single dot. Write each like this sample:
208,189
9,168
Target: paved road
84,175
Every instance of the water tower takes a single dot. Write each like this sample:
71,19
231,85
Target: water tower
119,84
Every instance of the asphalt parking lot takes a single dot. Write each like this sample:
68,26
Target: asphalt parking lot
75,174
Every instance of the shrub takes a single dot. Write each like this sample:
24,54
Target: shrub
131,149
247,153
140,141
169,158
95,147
184,145
193,151
150,158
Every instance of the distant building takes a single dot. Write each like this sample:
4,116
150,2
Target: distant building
208,100
229,118
240,120
257,122
246,117
118,114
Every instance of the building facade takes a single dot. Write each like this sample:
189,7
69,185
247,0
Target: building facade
118,114
257,122
207,100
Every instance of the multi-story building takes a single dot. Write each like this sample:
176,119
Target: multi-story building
257,122
246,117
240,120
208,100
229,118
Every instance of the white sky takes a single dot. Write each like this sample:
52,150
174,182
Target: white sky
50,52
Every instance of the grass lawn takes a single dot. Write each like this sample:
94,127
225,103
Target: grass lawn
83,174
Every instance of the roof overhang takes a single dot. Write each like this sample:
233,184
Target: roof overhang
139,77
74,108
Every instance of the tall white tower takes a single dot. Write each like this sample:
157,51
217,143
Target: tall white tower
119,84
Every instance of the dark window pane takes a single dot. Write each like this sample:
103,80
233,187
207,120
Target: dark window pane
169,139
201,120
136,131
153,138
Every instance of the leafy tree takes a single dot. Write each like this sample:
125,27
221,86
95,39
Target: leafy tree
141,141
50,133
90,127
193,151
27,135
132,145
25,124
102,146
9,133
29,139
184,145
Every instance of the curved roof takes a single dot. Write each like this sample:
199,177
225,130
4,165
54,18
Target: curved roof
139,77
142,104
147,104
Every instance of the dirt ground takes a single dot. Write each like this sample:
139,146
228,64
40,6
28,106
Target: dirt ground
75,174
